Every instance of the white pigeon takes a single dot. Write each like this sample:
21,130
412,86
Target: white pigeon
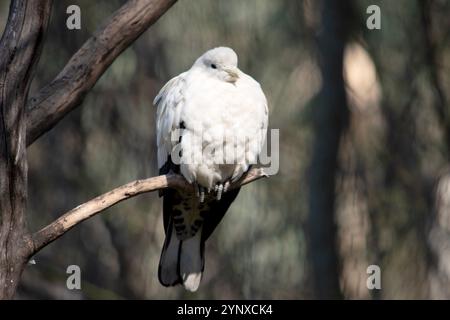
211,126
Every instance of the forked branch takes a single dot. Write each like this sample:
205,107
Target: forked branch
68,89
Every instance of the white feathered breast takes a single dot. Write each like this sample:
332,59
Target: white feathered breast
215,114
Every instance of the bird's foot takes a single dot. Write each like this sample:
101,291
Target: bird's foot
226,186
200,192
221,188
218,189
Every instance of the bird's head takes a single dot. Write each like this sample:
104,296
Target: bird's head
220,62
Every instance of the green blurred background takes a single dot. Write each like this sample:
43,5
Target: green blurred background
392,194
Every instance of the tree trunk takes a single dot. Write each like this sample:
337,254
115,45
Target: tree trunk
20,47
330,119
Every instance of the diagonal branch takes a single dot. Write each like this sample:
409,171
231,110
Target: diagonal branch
86,66
89,209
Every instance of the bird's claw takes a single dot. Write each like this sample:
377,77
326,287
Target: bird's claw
200,192
219,190
226,186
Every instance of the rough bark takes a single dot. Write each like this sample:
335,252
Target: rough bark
20,48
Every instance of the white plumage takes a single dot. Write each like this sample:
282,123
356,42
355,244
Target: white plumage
216,108
222,116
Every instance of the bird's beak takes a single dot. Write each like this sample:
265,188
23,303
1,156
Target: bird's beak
233,73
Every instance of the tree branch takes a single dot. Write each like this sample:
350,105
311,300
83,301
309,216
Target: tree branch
69,88
89,209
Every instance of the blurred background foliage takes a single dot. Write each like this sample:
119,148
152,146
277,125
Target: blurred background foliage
392,206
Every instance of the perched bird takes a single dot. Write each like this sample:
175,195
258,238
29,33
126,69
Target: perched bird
211,126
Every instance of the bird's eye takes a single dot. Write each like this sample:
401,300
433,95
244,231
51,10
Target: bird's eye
213,66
